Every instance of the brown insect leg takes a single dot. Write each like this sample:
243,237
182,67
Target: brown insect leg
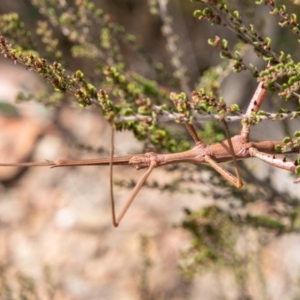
134,193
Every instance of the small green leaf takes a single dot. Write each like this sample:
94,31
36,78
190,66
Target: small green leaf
236,14
251,27
297,134
197,13
224,44
282,8
211,42
207,12
225,54
287,139
261,113
294,18
268,41
274,11
267,58
282,111
234,108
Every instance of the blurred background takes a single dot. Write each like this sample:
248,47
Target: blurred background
55,224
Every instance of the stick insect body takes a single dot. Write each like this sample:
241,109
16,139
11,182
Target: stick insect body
232,149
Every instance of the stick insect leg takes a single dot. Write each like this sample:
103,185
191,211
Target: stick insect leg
238,182
192,131
116,220
254,106
257,99
275,160
112,201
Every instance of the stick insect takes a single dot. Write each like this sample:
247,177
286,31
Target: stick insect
231,149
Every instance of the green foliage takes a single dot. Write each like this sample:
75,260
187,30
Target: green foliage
23,287
215,235
213,239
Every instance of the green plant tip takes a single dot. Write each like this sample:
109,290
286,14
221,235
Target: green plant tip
287,139
197,13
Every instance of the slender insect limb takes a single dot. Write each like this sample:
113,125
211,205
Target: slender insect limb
254,106
112,201
269,147
136,189
237,182
257,99
192,131
275,161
